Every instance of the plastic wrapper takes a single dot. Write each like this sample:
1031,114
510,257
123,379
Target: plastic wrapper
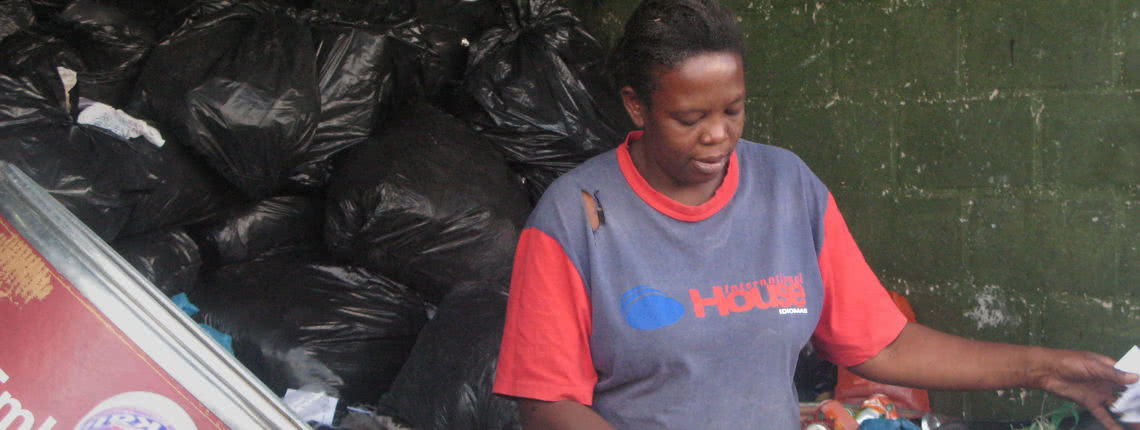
168,258
353,78
428,203
274,226
327,328
119,123
544,97
98,176
248,101
446,383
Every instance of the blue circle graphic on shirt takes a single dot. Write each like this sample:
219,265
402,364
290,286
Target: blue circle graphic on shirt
645,308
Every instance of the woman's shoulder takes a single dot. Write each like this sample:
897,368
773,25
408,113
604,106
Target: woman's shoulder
590,174
564,193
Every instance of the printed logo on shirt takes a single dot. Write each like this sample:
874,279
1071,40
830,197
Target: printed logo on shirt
785,293
645,308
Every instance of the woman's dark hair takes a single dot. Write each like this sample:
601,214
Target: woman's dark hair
662,33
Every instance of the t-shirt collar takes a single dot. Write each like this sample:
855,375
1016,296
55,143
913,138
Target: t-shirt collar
671,207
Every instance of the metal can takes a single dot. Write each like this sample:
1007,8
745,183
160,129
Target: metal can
867,413
930,421
835,414
881,404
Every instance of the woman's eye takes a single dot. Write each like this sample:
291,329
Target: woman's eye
690,120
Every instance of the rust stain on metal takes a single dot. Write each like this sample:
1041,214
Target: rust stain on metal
24,276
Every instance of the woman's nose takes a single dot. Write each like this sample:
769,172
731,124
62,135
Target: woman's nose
716,132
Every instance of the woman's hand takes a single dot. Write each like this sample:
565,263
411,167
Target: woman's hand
922,357
1086,378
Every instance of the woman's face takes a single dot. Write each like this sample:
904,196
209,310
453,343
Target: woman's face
691,124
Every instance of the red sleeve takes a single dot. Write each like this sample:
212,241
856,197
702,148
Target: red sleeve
858,318
545,353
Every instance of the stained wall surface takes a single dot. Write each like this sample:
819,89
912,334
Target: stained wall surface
986,155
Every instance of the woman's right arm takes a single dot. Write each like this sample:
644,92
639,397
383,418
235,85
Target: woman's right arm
560,415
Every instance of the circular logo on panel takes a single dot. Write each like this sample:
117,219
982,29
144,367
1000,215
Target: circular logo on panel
137,410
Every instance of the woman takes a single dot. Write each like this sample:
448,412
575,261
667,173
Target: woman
672,282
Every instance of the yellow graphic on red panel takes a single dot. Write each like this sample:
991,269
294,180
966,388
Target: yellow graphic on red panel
24,276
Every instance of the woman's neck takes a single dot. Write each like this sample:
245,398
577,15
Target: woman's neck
687,194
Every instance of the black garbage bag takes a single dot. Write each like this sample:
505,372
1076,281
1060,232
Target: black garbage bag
430,44
112,46
168,258
470,18
190,192
446,382
297,323
175,13
98,176
15,15
206,34
544,96
248,101
814,376
45,9
353,78
430,61
295,4
255,117
428,203
274,226
374,11
31,51
147,12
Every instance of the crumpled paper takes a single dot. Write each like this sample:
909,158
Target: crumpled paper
1128,405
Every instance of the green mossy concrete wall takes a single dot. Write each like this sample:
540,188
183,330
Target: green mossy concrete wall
986,155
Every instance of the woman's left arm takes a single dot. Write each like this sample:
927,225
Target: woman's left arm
926,358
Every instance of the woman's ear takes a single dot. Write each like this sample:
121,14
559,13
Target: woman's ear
633,106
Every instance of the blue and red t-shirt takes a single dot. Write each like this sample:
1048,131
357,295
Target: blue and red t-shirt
675,316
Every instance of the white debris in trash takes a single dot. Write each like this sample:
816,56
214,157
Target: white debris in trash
1128,404
311,407
120,123
70,78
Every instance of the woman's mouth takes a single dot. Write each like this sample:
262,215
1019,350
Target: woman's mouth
710,166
